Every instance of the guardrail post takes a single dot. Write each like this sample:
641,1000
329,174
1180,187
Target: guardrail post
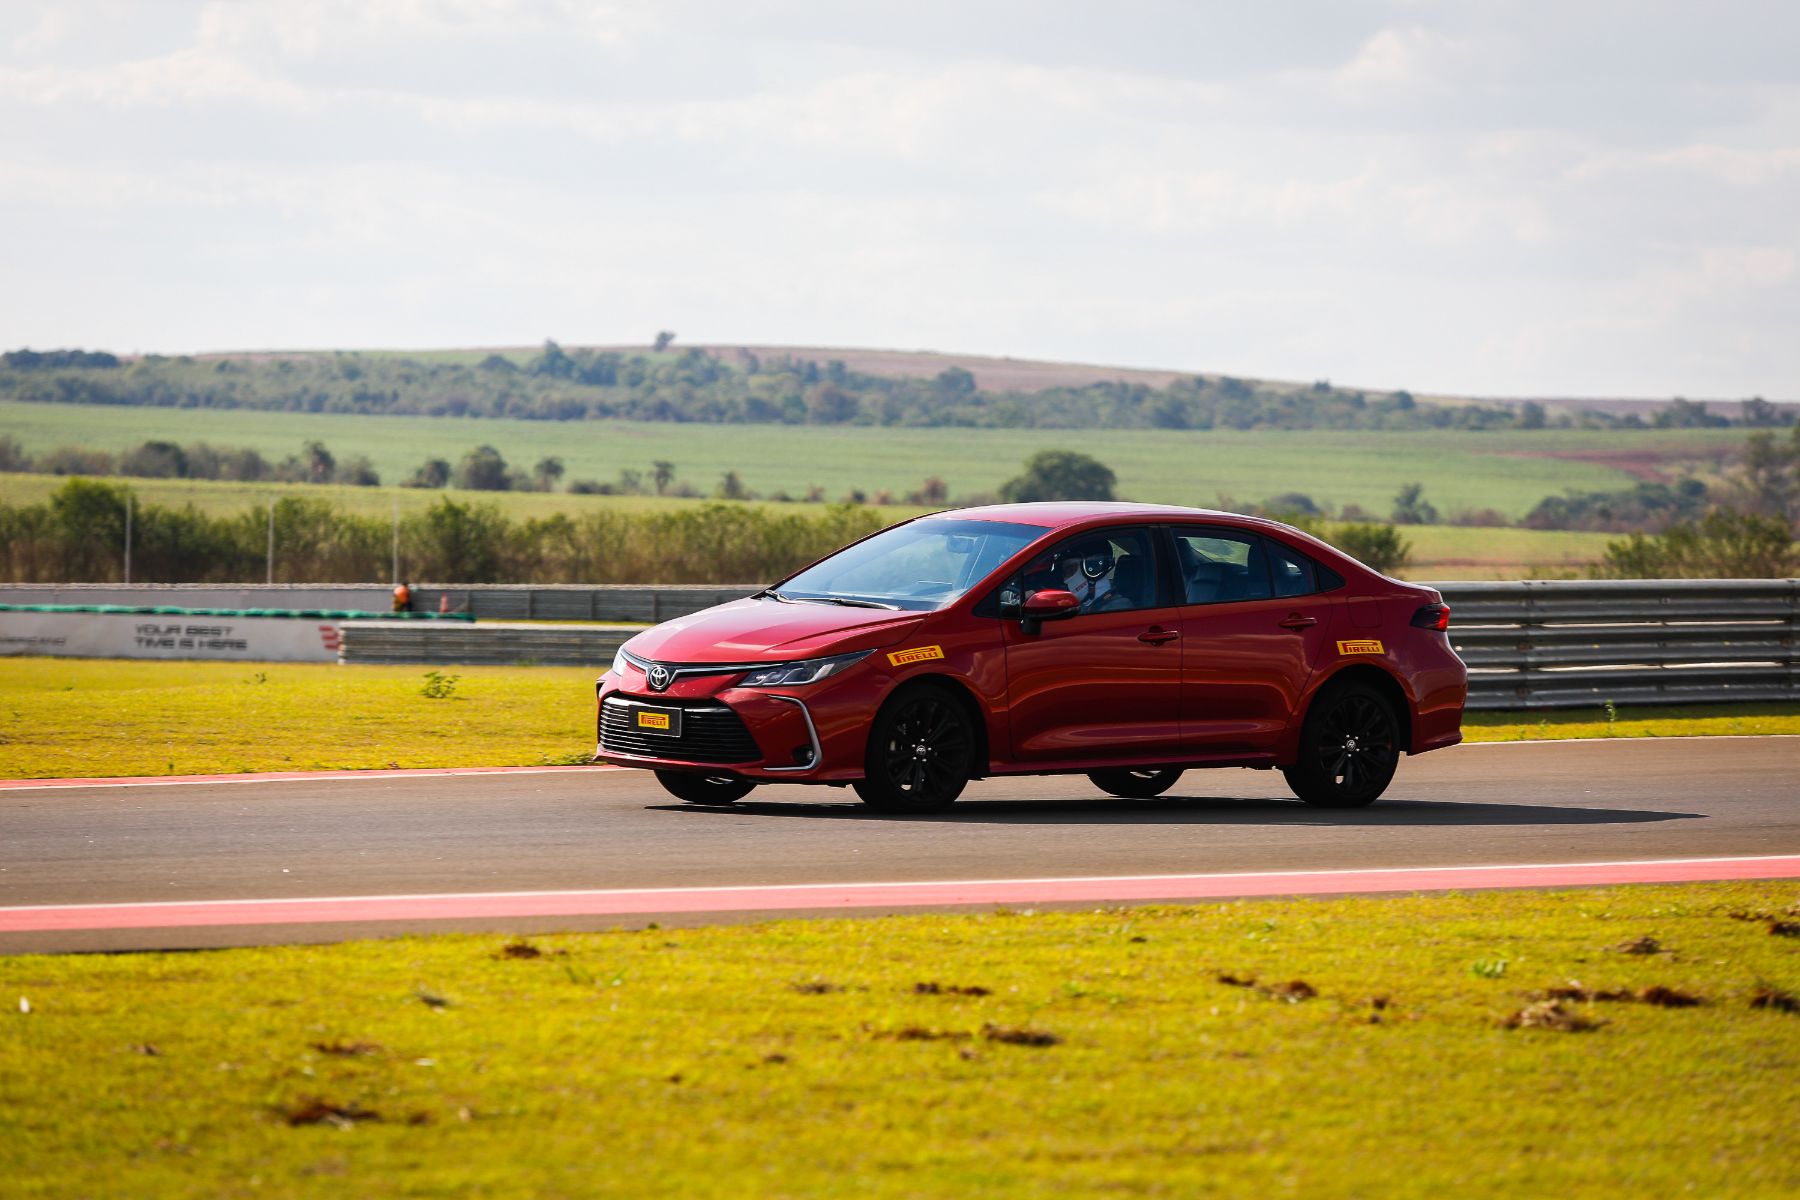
1793,638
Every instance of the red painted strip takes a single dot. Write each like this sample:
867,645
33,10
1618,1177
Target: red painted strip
283,776
825,897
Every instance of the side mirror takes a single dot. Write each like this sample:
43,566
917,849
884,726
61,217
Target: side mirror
1051,604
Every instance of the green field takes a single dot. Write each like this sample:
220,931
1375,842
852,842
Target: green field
1439,551
73,717
1506,471
1347,1047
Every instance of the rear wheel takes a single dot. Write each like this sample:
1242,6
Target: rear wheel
921,753
704,789
1349,747
1136,783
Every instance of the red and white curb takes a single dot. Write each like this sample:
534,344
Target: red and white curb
826,897
26,785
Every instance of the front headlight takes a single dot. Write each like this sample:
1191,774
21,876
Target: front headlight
793,674
619,661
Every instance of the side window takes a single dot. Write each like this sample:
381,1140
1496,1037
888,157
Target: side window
1221,565
1293,572
1111,570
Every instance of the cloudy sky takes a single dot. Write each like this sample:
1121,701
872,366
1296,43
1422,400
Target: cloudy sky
1576,197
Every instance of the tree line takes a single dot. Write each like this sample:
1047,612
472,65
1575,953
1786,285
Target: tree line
694,386
157,459
78,535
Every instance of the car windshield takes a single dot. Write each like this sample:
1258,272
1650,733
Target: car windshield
919,566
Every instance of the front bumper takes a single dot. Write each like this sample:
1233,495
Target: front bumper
751,734
814,734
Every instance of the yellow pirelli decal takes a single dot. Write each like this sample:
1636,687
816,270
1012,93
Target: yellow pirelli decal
650,720
1364,646
916,654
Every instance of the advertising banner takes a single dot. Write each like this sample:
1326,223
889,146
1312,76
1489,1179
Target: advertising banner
164,635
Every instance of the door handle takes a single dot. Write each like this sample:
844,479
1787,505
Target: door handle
1156,635
1297,621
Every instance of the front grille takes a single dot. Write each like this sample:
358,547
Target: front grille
710,733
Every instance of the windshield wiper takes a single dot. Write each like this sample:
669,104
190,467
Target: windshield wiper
847,603
772,594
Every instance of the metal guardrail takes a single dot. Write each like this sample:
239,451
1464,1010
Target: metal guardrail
648,603
1556,644
485,601
1538,644
490,643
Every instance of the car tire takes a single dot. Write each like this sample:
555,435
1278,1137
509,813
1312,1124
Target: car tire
704,789
1349,747
921,753
1139,783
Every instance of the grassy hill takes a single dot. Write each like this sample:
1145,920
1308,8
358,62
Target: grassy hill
1506,471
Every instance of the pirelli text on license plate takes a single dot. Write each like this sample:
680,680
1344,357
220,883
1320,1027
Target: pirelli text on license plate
657,720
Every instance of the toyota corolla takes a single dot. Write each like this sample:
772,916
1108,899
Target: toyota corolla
1126,642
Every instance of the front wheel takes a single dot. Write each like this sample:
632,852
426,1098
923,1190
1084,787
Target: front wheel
1138,784
921,753
1349,747
704,789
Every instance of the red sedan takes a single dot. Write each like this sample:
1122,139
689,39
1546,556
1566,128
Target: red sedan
1127,642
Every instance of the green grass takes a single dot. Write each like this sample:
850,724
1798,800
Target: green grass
67,717
100,717
1501,470
802,1059
1688,720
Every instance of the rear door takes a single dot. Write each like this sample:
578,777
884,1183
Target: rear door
1106,683
1254,627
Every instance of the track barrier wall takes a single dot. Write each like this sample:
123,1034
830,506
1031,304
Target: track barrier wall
1544,644
1537,644
164,631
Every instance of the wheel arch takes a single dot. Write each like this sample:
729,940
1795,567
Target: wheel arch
1383,681
963,695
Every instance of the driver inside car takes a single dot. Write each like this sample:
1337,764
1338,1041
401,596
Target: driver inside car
1087,572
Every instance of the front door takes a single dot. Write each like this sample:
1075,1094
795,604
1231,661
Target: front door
1105,683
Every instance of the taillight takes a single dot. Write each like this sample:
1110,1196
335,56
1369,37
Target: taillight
1432,616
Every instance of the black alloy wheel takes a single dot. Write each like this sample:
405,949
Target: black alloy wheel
704,789
1136,783
921,753
1349,747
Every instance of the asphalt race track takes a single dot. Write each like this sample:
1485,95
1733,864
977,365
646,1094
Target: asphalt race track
470,844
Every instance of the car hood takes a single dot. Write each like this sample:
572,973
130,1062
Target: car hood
771,631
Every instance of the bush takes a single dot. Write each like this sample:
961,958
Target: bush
1379,547
1724,544
483,469
1374,545
1060,475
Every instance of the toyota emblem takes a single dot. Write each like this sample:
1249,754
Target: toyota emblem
659,677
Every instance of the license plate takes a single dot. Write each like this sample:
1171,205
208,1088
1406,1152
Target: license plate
666,721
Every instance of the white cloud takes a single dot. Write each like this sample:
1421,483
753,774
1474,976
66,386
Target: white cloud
1403,61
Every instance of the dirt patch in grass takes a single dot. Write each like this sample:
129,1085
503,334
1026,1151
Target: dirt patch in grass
1554,1015
1661,464
1775,1000
949,989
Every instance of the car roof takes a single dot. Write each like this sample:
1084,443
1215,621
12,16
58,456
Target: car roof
1068,514
1062,514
